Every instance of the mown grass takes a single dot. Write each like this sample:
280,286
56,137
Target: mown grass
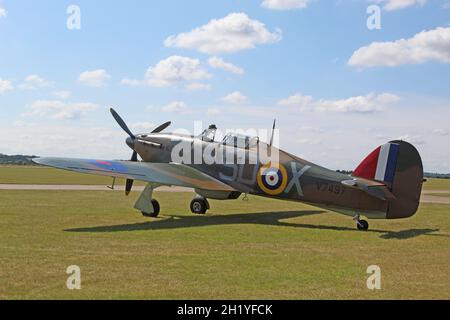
261,249
437,184
49,176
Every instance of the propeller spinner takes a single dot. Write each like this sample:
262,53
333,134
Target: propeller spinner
131,140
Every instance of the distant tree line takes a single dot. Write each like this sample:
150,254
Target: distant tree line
16,160
426,174
437,175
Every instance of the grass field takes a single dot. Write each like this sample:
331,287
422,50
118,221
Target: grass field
437,184
261,249
264,249
45,175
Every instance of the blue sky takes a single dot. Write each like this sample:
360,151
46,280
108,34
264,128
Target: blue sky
311,64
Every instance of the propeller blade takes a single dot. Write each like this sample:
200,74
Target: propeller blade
162,127
134,157
130,182
129,186
122,123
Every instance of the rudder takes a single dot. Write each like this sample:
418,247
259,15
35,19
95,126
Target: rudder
398,165
407,184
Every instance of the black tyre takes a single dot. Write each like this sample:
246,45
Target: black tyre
199,206
156,209
363,225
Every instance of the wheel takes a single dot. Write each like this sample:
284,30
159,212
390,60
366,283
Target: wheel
156,209
362,225
199,206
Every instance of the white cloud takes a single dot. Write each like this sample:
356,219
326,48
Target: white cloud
3,13
34,81
213,112
253,112
359,104
235,98
392,5
198,86
311,129
441,132
219,63
142,126
312,141
177,107
96,78
233,33
433,45
5,85
298,100
62,94
69,139
416,140
285,4
174,70
56,109
131,82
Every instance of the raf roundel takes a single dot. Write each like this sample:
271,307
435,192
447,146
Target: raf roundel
272,178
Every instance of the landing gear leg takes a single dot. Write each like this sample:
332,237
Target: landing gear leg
146,204
199,205
362,225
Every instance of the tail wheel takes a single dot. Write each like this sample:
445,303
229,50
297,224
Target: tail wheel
156,210
362,225
199,206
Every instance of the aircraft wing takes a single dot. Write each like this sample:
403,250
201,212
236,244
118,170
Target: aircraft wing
158,173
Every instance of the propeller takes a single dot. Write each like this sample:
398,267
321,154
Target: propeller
162,127
131,141
122,123
129,184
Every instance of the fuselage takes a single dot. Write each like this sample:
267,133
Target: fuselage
253,170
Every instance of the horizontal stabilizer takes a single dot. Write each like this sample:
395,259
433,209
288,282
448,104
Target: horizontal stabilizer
373,188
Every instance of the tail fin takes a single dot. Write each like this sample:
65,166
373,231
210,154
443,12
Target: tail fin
398,165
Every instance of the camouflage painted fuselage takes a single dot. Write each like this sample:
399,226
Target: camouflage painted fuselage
296,179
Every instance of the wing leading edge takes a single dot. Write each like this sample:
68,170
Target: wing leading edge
159,173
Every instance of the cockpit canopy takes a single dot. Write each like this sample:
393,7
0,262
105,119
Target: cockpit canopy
240,141
209,134
232,139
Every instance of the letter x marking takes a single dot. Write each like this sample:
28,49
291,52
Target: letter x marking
295,181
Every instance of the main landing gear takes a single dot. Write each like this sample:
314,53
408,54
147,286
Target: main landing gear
362,225
150,208
156,210
199,205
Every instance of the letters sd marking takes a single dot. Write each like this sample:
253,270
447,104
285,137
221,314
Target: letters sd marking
272,178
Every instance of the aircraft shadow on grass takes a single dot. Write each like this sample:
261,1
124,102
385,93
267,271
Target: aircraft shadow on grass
262,218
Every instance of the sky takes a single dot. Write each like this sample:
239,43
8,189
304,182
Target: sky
340,77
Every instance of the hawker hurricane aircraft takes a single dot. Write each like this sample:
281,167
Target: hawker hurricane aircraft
386,185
